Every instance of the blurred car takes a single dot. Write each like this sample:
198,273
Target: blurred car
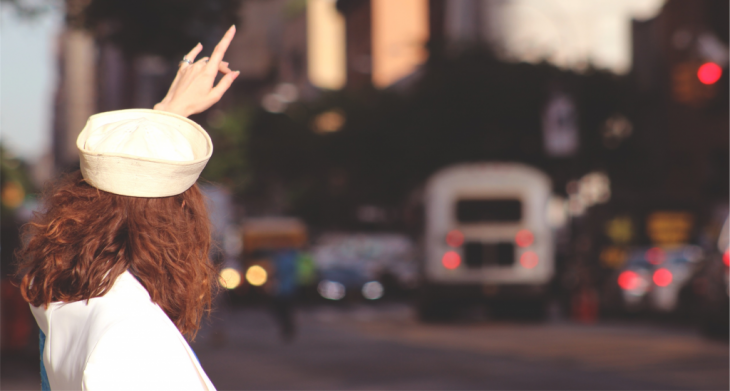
653,277
387,258
348,284
707,296
252,276
708,291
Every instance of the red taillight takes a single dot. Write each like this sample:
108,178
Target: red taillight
455,238
726,257
662,277
629,280
655,256
524,238
529,259
709,73
451,260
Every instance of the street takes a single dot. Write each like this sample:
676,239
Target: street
383,347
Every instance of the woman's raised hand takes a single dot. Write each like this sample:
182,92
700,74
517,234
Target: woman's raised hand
193,91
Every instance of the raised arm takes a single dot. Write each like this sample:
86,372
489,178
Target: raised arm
193,91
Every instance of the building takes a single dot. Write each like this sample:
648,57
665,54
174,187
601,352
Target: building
681,123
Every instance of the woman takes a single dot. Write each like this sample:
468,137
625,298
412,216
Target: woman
116,266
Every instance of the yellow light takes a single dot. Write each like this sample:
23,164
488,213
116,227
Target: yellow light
329,121
256,275
230,278
13,195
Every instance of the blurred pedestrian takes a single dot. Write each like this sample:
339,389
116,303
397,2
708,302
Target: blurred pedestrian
116,267
306,273
285,289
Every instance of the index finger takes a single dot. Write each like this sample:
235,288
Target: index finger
217,56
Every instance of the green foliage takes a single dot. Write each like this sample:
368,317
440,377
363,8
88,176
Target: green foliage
161,27
229,164
14,173
462,109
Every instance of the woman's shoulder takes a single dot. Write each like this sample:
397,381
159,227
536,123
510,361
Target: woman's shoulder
126,302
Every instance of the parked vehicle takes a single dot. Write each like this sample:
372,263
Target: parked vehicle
708,289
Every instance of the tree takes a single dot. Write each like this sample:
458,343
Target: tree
467,108
161,27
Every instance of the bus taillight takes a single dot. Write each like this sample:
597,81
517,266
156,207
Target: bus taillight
455,238
529,260
451,260
524,238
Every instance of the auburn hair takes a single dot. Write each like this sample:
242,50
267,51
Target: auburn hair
84,238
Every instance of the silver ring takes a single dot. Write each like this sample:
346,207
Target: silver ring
185,60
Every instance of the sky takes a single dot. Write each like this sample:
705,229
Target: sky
566,32
27,81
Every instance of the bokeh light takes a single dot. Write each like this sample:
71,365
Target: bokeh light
662,277
372,290
331,290
524,238
329,121
709,73
455,238
451,260
529,260
230,278
726,257
655,256
256,275
13,195
629,280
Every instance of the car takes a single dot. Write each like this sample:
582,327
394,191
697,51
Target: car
349,284
708,290
653,277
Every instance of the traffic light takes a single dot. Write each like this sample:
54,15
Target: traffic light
694,83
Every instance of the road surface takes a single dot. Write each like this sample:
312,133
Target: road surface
383,347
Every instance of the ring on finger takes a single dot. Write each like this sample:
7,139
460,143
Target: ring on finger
185,60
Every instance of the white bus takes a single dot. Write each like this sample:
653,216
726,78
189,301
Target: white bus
487,237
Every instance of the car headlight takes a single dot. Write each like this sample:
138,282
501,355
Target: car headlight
331,290
372,290
229,278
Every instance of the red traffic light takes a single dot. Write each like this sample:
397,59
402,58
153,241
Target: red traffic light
709,73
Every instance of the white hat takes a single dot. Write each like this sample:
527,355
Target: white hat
142,153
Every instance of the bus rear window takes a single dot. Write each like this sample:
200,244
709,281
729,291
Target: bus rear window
488,211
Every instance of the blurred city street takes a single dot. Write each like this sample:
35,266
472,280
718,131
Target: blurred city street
403,194
383,347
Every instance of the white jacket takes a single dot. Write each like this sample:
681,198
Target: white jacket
121,341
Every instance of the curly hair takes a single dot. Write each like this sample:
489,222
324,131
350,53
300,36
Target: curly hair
84,238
